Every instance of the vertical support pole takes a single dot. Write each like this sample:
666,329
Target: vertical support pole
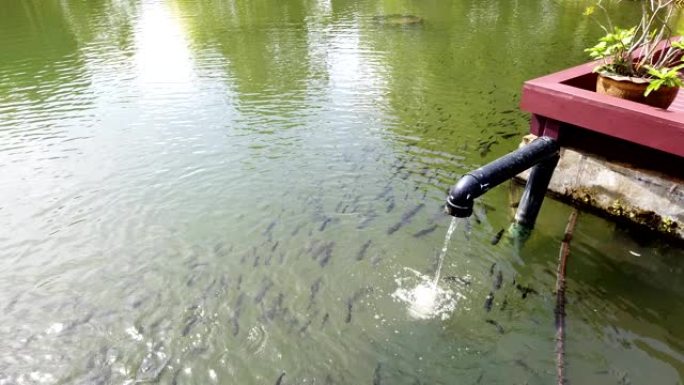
535,189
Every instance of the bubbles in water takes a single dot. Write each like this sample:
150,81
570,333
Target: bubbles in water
425,299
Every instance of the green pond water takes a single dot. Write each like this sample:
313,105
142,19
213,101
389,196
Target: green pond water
223,191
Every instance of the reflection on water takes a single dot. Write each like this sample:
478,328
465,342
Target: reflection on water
204,191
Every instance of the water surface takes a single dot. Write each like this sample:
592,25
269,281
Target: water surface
205,191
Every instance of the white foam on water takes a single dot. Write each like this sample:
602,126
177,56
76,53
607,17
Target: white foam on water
425,300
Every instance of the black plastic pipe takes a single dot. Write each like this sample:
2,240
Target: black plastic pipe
535,190
459,203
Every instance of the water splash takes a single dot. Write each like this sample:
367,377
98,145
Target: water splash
424,297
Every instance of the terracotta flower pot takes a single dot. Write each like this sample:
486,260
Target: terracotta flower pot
633,89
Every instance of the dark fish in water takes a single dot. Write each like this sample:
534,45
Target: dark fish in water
453,278
189,324
523,365
498,326
315,287
275,246
350,302
362,253
325,223
491,269
377,378
264,289
239,283
296,230
305,327
390,207
326,257
497,237
525,290
406,218
509,135
325,319
279,381
270,228
426,231
498,280
488,301
275,308
235,325
349,312
367,220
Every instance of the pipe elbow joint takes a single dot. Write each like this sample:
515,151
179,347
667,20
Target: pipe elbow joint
459,203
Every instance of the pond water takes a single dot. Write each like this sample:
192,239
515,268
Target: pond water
234,191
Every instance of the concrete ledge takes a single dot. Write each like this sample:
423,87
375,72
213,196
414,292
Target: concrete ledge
638,196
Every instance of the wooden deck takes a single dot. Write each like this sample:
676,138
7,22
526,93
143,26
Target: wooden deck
568,97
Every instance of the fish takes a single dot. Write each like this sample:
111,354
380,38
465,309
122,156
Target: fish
390,207
237,309
364,249
296,230
326,257
498,326
279,381
488,302
497,237
405,219
377,378
238,283
264,289
325,223
453,278
325,319
491,269
349,312
498,280
367,220
425,231
525,290
305,327
276,307
504,304
351,300
270,228
275,246
315,287
189,324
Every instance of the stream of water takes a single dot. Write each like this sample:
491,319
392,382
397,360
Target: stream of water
427,299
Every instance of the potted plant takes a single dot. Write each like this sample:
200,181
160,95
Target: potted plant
640,63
